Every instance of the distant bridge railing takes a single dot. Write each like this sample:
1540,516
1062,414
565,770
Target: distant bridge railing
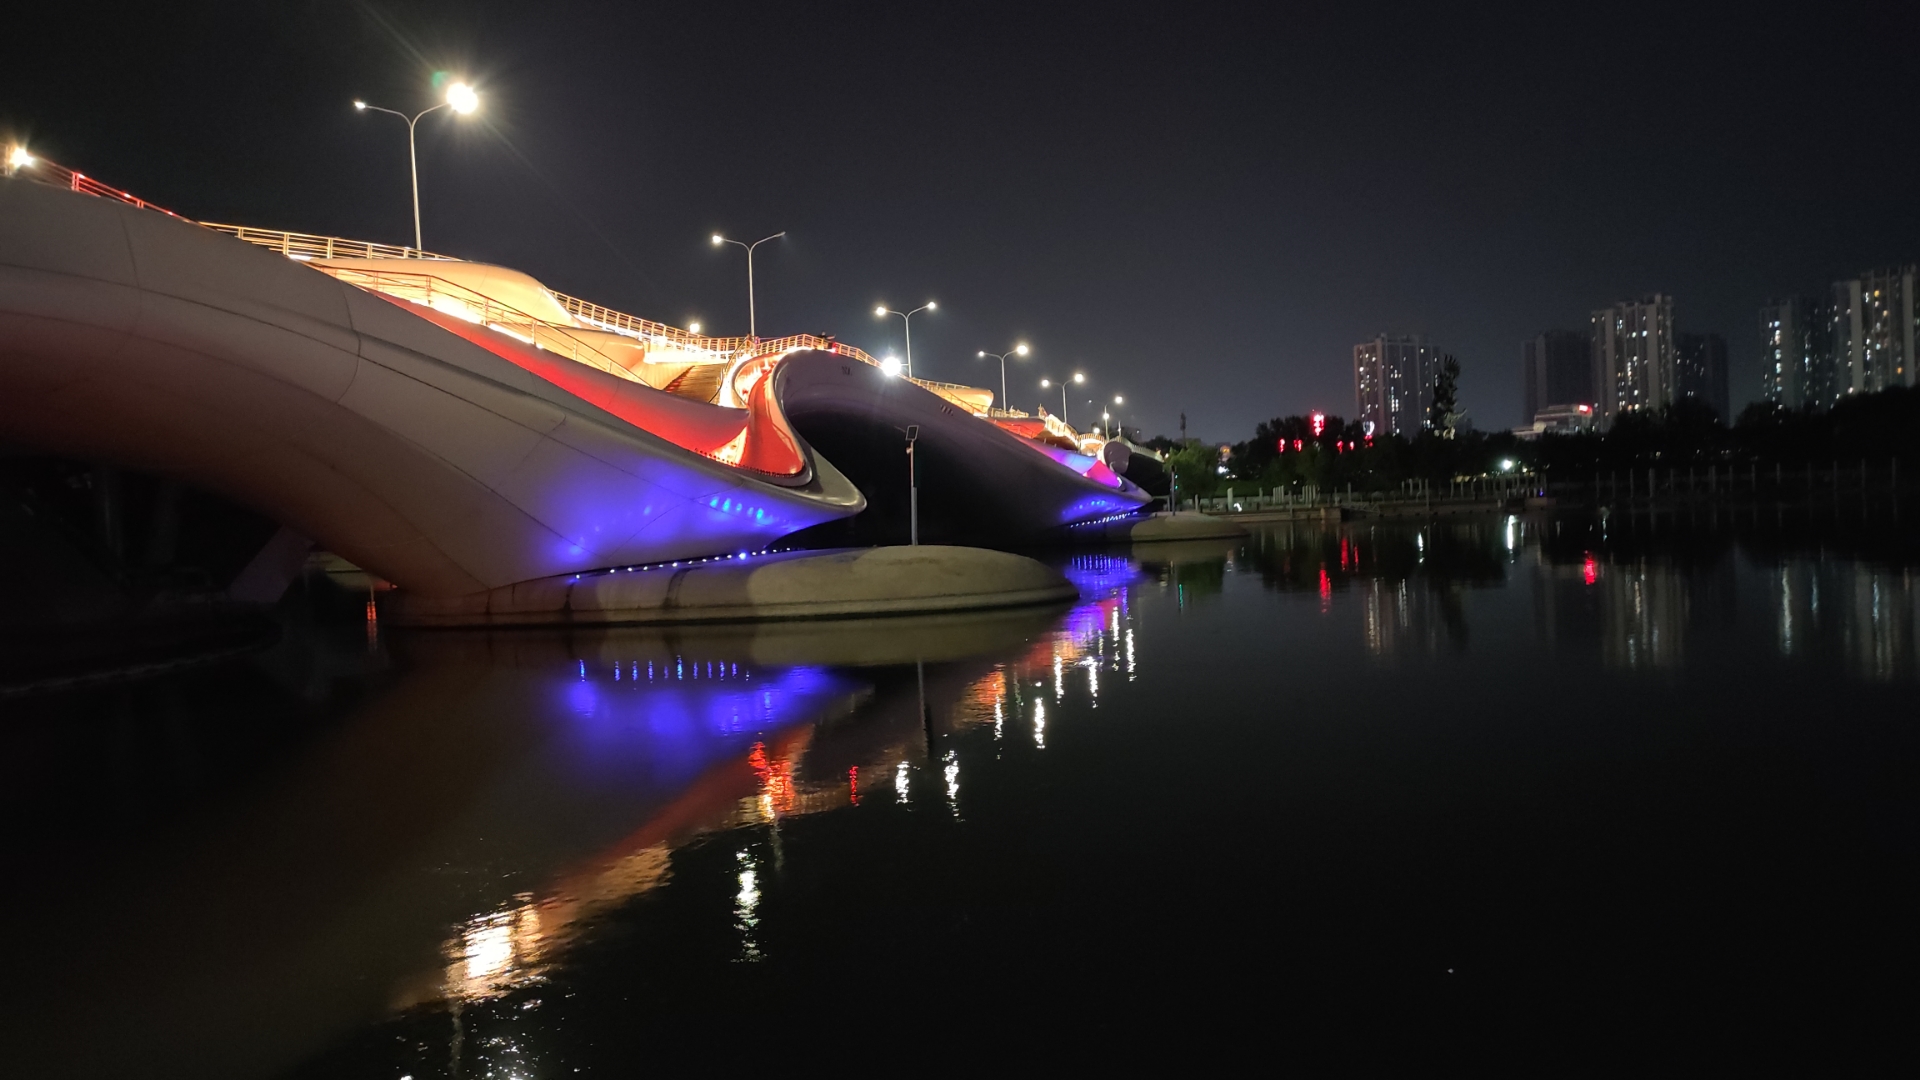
20,163
619,322
304,246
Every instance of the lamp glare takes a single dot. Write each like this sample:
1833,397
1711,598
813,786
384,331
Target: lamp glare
462,98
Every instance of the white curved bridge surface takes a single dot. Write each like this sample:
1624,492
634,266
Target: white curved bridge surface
444,466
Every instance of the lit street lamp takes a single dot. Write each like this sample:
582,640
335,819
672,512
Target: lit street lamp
883,311
1077,379
461,99
753,325
1017,350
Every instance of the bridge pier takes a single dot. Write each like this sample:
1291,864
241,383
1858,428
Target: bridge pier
788,585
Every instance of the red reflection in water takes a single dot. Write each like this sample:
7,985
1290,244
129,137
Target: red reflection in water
776,780
1326,590
1590,570
853,785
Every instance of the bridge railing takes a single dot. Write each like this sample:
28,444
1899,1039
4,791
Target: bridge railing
304,246
19,163
605,318
463,303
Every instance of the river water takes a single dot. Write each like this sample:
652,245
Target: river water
1461,766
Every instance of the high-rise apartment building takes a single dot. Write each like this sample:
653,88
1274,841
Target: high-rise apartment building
1701,367
1874,331
1796,352
1865,337
1633,356
1557,370
1393,381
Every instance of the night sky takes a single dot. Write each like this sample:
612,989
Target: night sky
1202,208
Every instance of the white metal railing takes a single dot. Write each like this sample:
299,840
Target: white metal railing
619,322
305,246
461,302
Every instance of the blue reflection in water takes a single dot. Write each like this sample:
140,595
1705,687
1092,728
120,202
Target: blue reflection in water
687,716
1100,575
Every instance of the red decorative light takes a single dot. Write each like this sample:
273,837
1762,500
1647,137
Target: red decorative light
1319,424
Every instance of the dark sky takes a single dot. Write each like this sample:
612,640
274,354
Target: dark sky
1204,208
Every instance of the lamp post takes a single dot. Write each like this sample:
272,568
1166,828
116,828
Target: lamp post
913,488
461,99
1077,379
1017,350
906,317
753,324
1107,419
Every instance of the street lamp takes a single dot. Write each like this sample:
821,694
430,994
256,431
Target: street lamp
883,311
1017,350
753,325
461,99
1077,379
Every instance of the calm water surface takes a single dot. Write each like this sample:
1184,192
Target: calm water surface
1438,771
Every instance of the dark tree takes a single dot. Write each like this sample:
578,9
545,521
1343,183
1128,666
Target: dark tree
1446,397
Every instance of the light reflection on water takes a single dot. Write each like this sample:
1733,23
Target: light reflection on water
526,788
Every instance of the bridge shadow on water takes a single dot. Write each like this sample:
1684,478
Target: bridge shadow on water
1408,768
